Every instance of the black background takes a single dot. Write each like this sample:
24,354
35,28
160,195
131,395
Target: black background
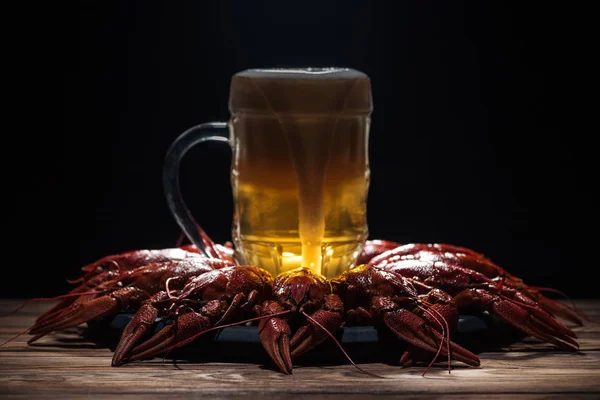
481,135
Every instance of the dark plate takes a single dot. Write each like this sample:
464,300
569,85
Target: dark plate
247,334
362,343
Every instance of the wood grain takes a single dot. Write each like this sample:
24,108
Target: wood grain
65,365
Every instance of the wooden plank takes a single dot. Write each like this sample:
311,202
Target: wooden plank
66,365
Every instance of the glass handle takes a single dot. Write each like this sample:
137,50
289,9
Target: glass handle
212,131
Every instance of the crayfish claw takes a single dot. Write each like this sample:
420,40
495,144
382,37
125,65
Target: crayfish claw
67,307
36,338
137,328
553,307
78,294
411,355
529,318
415,331
275,338
313,334
302,341
77,315
156,345
185,327
542,331
63,304
80,312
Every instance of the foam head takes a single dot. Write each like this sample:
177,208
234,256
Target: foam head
300,91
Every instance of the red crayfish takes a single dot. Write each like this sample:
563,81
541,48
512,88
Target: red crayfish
414,291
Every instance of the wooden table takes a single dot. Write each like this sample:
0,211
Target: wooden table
64,365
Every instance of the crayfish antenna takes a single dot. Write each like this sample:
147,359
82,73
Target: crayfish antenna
14,337
314,321
24,304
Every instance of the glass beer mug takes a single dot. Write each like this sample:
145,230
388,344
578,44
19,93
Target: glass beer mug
299,170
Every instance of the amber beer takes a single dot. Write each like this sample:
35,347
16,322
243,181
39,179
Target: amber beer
300,168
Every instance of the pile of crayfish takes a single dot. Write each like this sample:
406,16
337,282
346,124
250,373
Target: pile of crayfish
413,291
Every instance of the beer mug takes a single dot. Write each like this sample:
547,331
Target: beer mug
299,170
